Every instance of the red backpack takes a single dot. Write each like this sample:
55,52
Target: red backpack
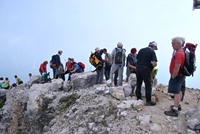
81,65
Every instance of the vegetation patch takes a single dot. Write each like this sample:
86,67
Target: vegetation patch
67,101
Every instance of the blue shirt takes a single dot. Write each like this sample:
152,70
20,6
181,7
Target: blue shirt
77,68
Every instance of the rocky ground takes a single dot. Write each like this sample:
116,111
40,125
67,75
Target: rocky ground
80,107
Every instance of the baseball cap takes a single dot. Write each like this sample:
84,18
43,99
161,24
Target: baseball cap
153,44
97,48
119,45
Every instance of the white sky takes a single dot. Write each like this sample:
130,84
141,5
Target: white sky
32,31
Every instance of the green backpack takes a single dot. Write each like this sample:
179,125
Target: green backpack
4,85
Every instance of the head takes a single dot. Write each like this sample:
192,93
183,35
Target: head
72,60
6,78
153,45
97,49
133,51
119,45
15,76
177,43
30,74
45,62
60,52
105,51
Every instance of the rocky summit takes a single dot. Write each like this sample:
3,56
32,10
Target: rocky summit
81,107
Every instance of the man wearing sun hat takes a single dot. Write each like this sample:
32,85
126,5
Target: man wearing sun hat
146,61
98,53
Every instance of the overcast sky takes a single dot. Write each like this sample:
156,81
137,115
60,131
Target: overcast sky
31,31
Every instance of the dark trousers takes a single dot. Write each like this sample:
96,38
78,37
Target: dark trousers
115,77
99,78
143,74
107,71
183,90
54,73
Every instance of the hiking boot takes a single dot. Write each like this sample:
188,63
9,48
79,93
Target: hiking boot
172,112
179,107
150,103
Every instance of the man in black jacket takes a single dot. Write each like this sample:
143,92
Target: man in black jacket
146,60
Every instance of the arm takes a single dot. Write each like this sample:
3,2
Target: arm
134,67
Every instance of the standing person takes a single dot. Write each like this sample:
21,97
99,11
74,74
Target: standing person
108,64
18,80
43,67
118,58
131,63
98,53
146,60
177,78
55,64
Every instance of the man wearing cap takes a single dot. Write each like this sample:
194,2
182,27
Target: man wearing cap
118,65
146,61
98,53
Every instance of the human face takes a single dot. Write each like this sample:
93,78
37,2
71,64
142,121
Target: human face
176,45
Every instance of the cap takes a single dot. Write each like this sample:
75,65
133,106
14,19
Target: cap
97,48
153,44
119,45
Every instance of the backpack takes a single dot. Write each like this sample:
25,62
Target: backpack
118,56
190,59
4,85
53,61
95,61
81,65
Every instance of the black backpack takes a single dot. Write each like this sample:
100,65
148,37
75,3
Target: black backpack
118,56
190,60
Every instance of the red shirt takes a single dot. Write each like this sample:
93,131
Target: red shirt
178,57
69,66
43,68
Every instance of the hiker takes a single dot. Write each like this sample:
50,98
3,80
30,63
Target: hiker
69,66
108,64
43,67
131,63
146,61
98,53
55,64
6,84
177,78
118,58
18,81
76,69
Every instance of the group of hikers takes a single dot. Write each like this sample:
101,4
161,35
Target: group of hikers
112,66
5,84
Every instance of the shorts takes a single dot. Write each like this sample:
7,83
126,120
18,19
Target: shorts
175,84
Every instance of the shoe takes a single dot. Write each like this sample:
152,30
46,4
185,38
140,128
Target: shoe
150,103
172,113
179,107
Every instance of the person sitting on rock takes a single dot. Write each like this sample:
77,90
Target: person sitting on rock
18,81
43,67
69,66
76,69
6,84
